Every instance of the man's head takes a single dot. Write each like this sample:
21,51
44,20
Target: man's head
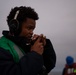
25,18
69,60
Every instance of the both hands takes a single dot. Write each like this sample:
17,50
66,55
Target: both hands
40,42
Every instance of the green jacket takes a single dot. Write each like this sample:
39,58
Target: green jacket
8,45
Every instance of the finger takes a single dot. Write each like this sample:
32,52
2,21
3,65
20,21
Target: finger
44,37
39,39
41,35
41,46
35,37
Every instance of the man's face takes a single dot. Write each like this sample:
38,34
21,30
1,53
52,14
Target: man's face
27,28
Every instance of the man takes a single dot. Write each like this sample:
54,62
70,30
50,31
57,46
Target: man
21,51
70,67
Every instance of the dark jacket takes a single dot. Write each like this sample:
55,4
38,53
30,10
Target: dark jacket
69,69
31,63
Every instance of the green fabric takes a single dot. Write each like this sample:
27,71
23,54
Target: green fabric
74,70
9,46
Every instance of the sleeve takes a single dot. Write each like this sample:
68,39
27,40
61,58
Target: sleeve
49,56
29,64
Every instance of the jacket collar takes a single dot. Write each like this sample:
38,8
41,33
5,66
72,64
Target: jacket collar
20,41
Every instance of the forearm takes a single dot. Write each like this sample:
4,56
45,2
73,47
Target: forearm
34,63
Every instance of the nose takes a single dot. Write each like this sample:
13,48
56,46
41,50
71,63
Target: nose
31,32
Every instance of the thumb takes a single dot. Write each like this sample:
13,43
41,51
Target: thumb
39,39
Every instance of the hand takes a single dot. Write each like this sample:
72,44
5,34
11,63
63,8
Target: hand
35,36
43,38
38,46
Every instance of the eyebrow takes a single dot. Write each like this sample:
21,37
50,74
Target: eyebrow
31,26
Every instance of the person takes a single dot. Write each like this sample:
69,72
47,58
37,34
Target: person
70,67
21,51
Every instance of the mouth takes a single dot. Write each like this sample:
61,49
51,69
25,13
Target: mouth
29,37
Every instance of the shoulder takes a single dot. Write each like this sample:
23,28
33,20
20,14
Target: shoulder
48,42
74,65
4,54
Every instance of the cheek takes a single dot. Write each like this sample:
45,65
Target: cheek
24,32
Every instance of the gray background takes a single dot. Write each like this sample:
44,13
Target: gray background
57,22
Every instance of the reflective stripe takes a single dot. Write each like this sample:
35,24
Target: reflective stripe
19,52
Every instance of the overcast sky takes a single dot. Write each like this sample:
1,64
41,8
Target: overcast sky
57,21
